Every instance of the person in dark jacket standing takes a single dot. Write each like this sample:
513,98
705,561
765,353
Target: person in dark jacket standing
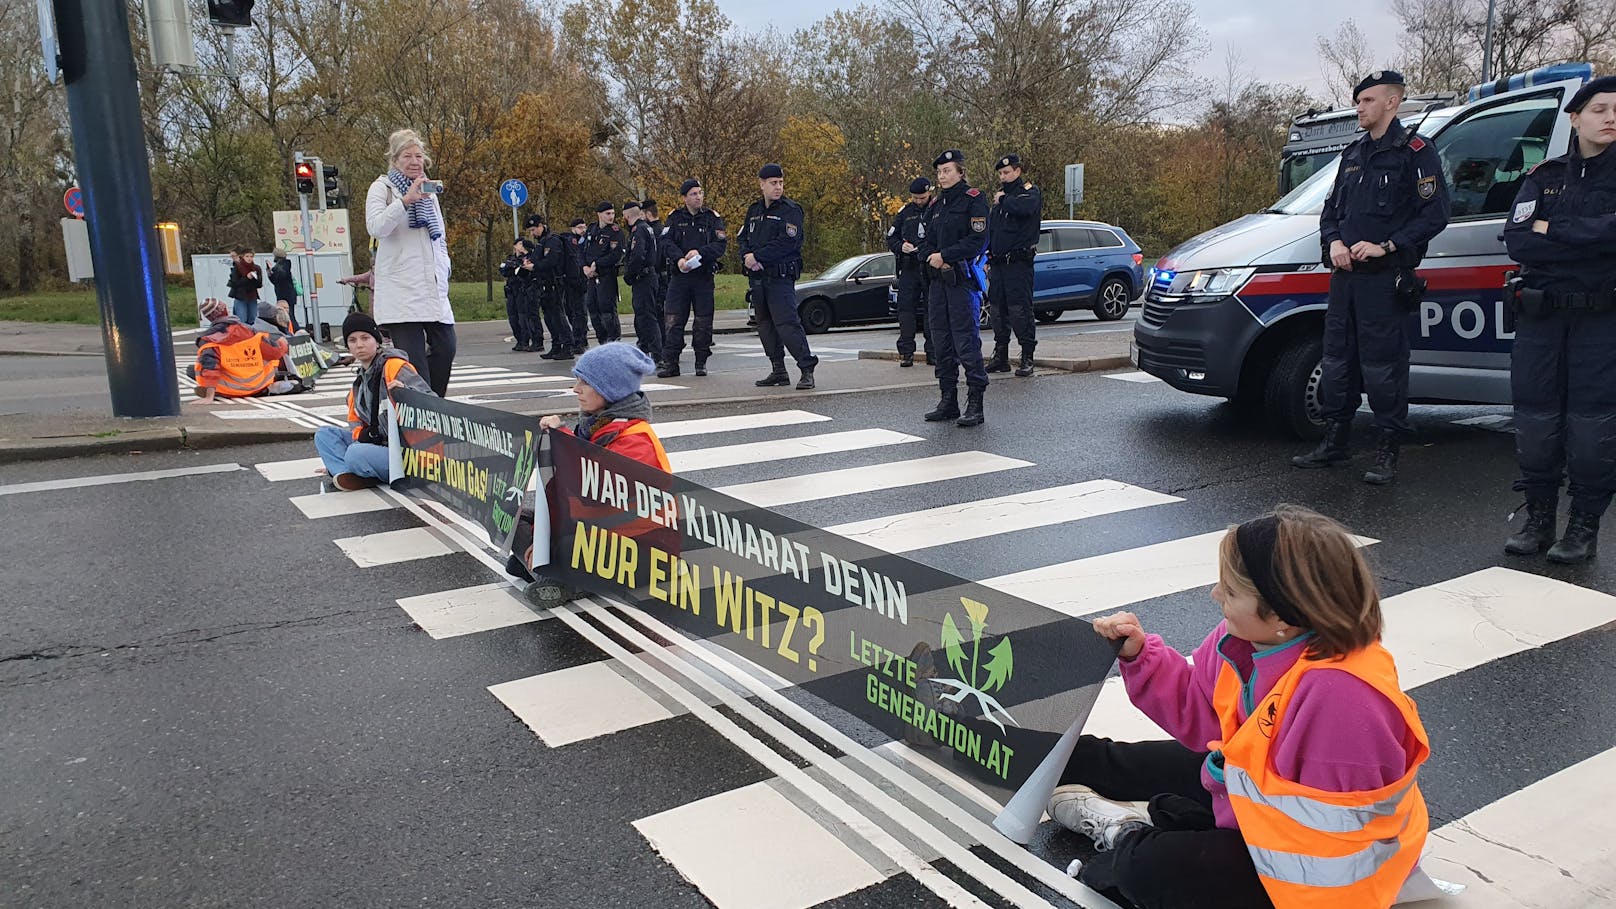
904,238
280,278
956,236
245,279
549,267
693,243
575,287
1018,209
660,265
515,305
603,254
639,271
770,244
1562,232
1388,202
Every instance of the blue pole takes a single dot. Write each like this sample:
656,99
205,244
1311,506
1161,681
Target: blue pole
109,153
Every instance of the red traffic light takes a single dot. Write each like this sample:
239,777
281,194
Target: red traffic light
305,177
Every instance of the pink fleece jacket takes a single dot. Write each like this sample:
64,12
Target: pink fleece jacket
1339,734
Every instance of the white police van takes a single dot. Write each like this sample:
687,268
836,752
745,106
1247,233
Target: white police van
1238,312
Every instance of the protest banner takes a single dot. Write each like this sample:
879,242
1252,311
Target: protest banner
982,682
476,460
308,361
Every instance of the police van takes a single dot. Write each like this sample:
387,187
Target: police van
1238,312
1317,137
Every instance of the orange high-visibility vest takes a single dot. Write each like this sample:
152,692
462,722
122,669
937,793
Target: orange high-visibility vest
643,428
1316,849
390,371
245,371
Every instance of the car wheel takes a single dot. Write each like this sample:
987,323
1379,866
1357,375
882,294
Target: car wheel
1291,394
1111,302
817,316
1047,316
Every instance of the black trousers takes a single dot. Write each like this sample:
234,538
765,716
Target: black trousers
1010,299
430,347
779,327
1365,350
513,314
954,318
1184,861
647,315
912,311
1561,381
688,294
603,308
577,315
553,304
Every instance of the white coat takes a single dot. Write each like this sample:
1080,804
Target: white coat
411,274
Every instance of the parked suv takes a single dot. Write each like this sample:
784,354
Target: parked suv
1085,265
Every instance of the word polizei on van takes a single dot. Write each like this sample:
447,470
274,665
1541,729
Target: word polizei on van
1238,312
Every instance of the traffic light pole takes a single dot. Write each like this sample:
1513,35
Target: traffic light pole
109,154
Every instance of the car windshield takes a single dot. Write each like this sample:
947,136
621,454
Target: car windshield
1308,199
841,269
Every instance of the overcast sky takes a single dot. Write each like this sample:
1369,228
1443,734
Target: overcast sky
1273,39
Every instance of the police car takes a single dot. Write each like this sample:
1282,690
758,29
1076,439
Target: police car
1238,312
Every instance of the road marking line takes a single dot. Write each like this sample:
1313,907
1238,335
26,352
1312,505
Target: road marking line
853,481
1004,514
1497,422
1143,378
115,478
678,428
785,449
578,703
468,610
393,546
336,504
300,469
264,414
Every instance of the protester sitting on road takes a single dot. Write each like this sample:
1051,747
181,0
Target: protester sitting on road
356,457
1292,778
245,279
613,413
232,359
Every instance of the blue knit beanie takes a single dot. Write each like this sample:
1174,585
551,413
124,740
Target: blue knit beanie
614,369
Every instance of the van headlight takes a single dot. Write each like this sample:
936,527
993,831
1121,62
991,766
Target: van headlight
1213,283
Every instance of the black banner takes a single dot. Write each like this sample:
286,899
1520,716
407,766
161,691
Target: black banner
308,361
980,680
476,460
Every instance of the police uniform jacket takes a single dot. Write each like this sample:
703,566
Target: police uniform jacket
1386,189
549,258
575,257
603,248
657,262
1577,196
1013,225
773,235
702,231
906,229
642,252
511,270
956,225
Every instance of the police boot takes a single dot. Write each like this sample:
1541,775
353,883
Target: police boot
907,359
1385,469
668,370
701,366
778,377
1580,542
973,408
947,408
1538,534
1331,450
807,381
1025,369
1001,359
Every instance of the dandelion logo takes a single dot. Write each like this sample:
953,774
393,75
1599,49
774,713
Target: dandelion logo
997,669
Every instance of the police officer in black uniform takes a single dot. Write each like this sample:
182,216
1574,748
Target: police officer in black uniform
953,247
659,265
694,230
1388,202
1018,210
574,287
603,254
770,244
1563,368
515,312
904,238
549,266
639,271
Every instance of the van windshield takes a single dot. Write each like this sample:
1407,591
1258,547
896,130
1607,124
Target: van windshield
1308,199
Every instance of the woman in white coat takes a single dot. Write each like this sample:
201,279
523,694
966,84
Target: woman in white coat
410,296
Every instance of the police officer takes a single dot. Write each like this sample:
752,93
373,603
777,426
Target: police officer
694,230
603,254
903,238
1562,233
548,257
659,265
955,240
639,270
515,277
1018,209
1388,201
770,244
574,287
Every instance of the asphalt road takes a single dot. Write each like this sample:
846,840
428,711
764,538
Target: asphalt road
208,704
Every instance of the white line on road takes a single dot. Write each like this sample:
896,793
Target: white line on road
300,469
1143,378
393,546
785,449
677,428
853,481
337,504
114,478
468,610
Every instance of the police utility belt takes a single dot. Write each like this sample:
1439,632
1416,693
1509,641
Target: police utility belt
782,271
1017,255
1536,304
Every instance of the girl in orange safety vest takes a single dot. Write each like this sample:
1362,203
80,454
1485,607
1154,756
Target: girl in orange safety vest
1291,782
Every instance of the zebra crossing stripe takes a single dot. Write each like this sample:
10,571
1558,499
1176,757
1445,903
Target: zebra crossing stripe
854,481
334,504
468,610
674,429
578,703
393,546
784,449
280,471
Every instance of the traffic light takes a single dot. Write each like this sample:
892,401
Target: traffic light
328,191
231,13
305,177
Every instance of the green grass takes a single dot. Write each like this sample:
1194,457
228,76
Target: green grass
469,299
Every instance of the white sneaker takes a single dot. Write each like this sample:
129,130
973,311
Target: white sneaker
1080,810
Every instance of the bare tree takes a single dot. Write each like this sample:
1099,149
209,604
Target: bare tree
1344,58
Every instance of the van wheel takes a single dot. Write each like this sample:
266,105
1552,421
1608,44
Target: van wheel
817,316
1291,395
1047,316
1111,302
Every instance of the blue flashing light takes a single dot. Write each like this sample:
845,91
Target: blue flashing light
1559,72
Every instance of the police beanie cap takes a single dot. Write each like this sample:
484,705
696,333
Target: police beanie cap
631,204
1587,92
919,185
358,321
578,221
614,369
1378,77
603,206
688,185
533,221
1008,161
952,155
770,171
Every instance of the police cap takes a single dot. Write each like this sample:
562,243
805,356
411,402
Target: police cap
533,221
578,221
1378,77
770,171
1584,94
919,185
631,204
649,205
953,155
603,206
688,185
1008,161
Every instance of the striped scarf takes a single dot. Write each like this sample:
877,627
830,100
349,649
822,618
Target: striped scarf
422,213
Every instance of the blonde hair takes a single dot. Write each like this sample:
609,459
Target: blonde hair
1322,572
403,139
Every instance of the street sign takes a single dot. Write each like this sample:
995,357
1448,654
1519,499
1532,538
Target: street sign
74,200
1074,184
513,193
